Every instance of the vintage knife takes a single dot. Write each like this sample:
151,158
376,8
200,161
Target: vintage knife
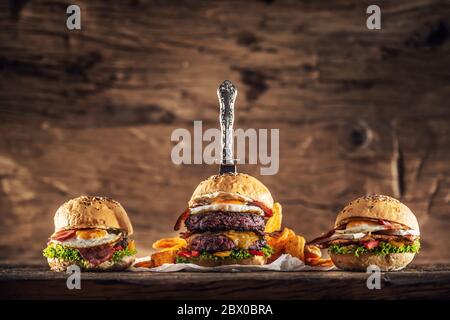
227,93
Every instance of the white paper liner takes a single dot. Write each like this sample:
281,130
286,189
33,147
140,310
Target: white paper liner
284,263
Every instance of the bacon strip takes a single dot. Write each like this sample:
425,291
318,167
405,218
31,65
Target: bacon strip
186,235
181,219
322,238
63,235
267,211
97,255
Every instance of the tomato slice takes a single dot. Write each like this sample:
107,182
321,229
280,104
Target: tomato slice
195,253
256,252
185,254
371,244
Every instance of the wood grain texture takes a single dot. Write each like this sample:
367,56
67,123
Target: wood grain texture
420,282
91,111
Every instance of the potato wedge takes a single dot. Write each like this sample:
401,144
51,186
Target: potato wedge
162,257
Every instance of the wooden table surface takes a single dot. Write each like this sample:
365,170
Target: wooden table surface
416,282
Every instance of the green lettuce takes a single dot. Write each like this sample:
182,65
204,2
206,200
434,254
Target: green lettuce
236,254
383,248
267,250
120,254
58,251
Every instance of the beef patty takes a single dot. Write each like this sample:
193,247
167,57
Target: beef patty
219,242
222,221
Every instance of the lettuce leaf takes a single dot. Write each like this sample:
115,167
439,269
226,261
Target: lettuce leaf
58,251
237,254
267,250
383,248
120,254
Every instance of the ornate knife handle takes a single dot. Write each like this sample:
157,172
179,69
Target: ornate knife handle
227,93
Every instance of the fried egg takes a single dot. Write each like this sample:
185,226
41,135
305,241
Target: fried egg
404,232
220,195
90,238
227,207
349,236
362,226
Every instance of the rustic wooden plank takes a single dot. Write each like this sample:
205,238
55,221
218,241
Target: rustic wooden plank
422,282
273,52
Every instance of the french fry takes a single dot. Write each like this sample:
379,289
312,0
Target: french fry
274,222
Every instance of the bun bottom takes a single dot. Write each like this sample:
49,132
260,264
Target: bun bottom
255,260
389,262
61,265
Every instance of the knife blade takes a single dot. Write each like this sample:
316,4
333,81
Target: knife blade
227,93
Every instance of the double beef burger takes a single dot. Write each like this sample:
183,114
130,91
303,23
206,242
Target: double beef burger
373,230
91,232
225,222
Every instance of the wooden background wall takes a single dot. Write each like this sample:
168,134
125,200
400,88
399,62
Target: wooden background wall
91,111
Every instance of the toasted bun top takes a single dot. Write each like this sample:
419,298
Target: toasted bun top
233,185
378,207
92,212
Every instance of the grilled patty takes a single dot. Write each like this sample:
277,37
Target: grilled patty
219,242
222,221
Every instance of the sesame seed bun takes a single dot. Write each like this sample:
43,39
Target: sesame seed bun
92,212
378,207
238,186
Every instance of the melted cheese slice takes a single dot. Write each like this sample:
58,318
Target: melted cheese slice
222,253
242,240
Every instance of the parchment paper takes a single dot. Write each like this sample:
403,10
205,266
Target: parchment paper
284,263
